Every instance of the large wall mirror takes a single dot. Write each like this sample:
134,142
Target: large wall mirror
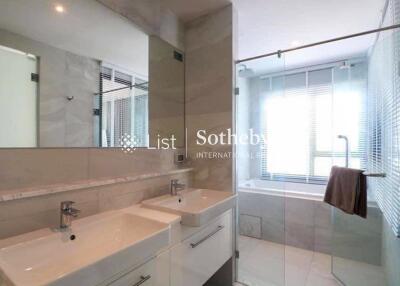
77,74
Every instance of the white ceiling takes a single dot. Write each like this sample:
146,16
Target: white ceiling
264,26
187,10
86,28
270,25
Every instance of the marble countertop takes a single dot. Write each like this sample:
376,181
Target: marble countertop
15,194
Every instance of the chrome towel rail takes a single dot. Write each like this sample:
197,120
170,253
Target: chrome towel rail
365,173
376,175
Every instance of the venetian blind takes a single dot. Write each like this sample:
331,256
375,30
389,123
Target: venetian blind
302,115
384,123
123,109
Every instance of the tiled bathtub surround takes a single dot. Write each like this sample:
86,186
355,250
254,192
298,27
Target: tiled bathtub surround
25,168
297,222
307,224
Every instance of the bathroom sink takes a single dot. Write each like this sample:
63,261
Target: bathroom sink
93,250
195,206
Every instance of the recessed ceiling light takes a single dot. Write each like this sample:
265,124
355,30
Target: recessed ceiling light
295,43
59,8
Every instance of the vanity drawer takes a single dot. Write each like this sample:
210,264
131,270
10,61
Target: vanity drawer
143,276
197,258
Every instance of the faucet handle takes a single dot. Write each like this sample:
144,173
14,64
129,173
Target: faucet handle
74,212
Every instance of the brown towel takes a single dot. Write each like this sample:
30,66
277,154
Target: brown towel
347,190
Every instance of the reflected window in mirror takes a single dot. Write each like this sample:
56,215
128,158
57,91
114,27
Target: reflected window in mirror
95,83
121,110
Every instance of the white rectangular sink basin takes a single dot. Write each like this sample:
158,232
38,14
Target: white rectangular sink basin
195,206
105,245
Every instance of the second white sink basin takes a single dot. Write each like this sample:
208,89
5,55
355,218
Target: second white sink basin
195,206
104,245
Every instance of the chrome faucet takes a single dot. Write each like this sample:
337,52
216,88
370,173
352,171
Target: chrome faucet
67,212
175,187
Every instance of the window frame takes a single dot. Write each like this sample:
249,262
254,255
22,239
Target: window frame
314,153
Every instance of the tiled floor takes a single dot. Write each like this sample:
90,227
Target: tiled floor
358,273
264,263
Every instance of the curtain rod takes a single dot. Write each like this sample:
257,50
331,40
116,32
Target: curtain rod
279,52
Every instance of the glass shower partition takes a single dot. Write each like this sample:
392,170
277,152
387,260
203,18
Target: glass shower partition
367,251
261,215
305,103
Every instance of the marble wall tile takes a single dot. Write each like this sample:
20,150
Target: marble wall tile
271,211
323,227
390,255
82,82
323,239
299,235
296,222
25,215
114,162
26,207
251,203
22,168
273,230
323,214
299,223
167,89
357,238
208,91
299,211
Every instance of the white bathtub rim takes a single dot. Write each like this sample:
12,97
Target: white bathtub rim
291,194
282,193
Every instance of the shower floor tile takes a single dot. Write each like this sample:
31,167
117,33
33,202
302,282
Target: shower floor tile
264,263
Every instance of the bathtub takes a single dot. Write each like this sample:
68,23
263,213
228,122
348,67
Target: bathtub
292,214
291,190
284,189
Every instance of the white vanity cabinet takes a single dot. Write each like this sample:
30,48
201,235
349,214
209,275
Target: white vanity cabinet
155,272
144,275
197,258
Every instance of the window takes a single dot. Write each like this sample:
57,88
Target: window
302,115
123,108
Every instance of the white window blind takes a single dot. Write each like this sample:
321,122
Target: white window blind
123,108
384,124
301,116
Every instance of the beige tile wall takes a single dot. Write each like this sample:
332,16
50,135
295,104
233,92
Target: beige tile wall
37,167
209,101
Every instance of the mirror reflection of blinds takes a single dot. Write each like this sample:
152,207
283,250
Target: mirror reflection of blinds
302,114
124,108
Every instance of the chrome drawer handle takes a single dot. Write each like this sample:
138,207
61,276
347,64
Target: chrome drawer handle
193,245
142,280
